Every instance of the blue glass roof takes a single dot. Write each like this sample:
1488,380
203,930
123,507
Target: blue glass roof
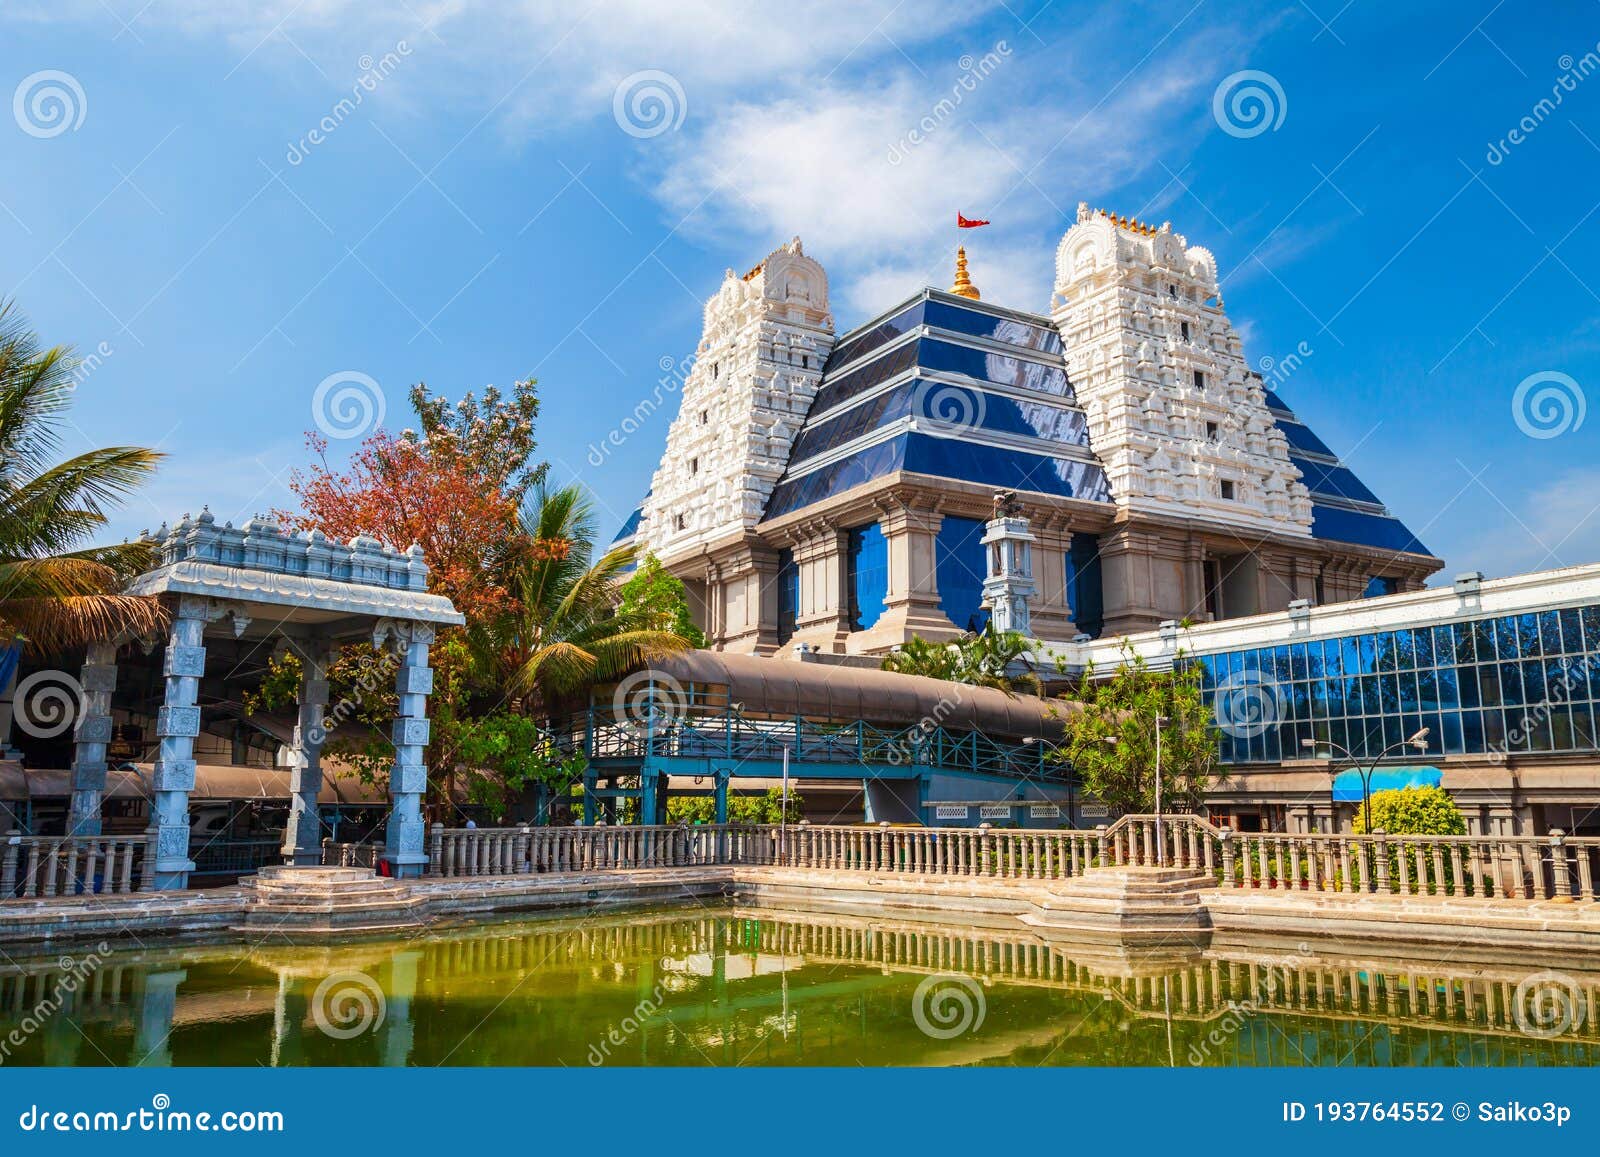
1343,508
944,387
948,389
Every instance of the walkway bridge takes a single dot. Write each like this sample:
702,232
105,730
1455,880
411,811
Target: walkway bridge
706,718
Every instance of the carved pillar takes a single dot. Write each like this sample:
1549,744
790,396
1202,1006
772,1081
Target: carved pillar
822,618
749,600
912,606
177,724
1051,610
302,836
98,679
404,843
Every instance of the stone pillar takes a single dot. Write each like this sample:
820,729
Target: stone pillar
302,835
1051,609
404,843
93,733
822,618
748,598
177,724
912,606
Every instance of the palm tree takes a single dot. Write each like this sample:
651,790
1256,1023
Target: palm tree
56,591
563,631
982,660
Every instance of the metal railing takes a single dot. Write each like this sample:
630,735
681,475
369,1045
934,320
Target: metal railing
726,733
35,866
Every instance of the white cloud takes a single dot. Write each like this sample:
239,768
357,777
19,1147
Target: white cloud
1554,525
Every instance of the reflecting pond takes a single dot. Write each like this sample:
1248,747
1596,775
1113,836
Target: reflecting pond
740,986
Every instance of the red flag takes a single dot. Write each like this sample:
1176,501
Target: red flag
963,223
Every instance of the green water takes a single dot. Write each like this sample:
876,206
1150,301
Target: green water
736,987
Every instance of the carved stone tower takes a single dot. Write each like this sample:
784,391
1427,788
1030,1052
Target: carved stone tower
1175,415
766,337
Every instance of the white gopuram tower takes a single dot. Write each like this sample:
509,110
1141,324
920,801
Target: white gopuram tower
1008,583
1175,415
766,337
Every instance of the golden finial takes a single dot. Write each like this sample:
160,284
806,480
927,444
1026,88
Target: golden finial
963,286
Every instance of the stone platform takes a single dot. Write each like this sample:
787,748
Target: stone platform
1128,906
318,903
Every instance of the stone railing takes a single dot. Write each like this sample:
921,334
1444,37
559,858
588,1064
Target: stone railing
1168,841
336,855
34,866
1004,853
518,851
260,544
1553,867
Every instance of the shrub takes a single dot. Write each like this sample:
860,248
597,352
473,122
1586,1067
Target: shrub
1413,811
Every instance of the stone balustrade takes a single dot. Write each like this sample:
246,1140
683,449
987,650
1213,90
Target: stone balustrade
35,866
260,544
977,852
524,850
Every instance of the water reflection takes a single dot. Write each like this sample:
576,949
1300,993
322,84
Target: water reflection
763,987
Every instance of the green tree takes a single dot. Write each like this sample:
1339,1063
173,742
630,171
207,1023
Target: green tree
56,590
1413,811
985,659
1111,735
563,630
656,598
766,808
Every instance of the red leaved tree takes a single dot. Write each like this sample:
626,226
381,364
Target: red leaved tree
453,488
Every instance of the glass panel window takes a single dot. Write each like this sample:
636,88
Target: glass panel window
868,575
1472,731
1571,633
788,594
1591,628
1454,740
1489,685
959,567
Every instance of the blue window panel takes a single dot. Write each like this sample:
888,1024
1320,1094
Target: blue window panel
1276,402
858,344
958,407
1483,640
630,527
1591,628
836,391
1088,601
1454,739
1369,654
1533,685
1301,438
1379,585
1528,636
959,567
868,571
1297,661
985,366
1334,524
943,315
1571,632
788,594
1422,644
797,493
1004,468
1337,481
1550,632
1510,685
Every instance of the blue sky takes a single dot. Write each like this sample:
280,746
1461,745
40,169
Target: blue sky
485,212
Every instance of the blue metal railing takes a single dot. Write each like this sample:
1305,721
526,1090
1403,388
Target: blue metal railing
727,734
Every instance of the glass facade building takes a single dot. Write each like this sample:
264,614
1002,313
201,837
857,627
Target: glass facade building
1523,683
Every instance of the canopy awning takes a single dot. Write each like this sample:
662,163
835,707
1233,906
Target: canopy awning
1347,784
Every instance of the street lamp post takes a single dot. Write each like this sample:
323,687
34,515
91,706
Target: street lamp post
1419,741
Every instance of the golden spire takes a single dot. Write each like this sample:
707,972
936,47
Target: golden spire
963,286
